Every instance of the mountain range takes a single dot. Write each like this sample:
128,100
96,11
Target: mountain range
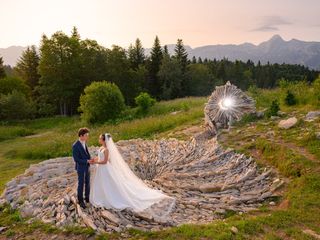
275,50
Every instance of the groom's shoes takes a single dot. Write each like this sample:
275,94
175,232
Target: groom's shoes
82,205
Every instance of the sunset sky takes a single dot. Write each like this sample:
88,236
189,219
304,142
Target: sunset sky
201,22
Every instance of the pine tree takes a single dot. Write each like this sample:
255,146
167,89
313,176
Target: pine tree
136,54
166,51
154,66
273,109
194,60
181,55
2,72
27,66
290,99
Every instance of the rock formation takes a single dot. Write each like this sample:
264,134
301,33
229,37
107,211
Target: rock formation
205,179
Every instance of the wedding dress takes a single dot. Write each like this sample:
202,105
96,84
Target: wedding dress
115,186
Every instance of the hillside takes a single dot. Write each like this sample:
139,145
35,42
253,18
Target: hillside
294,152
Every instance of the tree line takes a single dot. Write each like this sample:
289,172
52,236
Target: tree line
52,80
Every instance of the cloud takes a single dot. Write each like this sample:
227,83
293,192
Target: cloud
271,24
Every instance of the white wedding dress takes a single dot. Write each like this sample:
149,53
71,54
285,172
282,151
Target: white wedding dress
115,186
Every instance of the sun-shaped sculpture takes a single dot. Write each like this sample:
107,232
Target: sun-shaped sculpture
226,104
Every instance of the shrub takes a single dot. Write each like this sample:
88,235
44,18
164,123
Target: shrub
273,109
290,99
316,89
144,102
15,105
253,90
247,118
101,101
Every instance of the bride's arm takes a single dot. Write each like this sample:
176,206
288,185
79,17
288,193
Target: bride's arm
106,156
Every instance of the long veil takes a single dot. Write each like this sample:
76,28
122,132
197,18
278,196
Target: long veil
141,197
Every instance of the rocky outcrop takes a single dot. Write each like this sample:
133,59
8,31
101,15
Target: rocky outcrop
205,179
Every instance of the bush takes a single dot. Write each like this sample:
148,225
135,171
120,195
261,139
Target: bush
316,89
144,102
253,90
273,109
101,101
247,118
290,99
15,105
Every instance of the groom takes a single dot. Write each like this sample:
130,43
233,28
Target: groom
83,160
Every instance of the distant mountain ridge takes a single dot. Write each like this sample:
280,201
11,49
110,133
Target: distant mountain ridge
11,54
275,50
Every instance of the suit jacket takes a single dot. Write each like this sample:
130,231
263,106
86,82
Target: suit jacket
80,156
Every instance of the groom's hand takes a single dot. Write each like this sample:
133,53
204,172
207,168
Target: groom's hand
91,161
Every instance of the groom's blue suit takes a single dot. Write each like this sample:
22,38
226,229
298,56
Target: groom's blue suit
81,157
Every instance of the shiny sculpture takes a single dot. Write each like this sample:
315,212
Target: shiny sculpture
226,105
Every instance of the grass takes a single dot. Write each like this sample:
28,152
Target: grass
27,142
295,153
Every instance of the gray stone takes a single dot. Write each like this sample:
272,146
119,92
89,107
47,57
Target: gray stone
288,123
234,230
274,118
272,203
209,188
312,115
260,114
111,217
27,211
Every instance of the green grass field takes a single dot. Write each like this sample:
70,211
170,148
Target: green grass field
294,152
26,142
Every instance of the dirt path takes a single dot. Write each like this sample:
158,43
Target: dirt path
297,149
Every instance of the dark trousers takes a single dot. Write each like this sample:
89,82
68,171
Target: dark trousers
83,179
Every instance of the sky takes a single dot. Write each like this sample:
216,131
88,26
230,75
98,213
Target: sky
197,22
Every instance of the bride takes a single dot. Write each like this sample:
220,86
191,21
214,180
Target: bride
116,186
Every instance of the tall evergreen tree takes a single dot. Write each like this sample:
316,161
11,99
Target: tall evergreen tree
181,55
27,66
2,71
154,66
194,60
166,51
136,54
